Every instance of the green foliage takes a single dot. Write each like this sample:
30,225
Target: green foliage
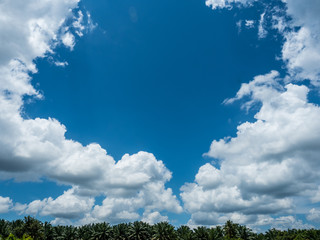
101,231
230,230
140,231
32,229
185,233
164,231
201,233
121,231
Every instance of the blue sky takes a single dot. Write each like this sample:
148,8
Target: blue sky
151,80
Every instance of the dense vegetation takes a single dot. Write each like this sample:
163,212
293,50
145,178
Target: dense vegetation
32,229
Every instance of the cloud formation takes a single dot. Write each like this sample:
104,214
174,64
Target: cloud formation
301,50
32,149
269,166
5,204
298,24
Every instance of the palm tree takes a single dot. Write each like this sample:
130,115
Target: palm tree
201,233
164,231
48,231
313,234
84,232
121,231
215,233
101,231
185,233
230,229
272,234
58,232
17,228
70,233
245,233
33,228
4,228
139,231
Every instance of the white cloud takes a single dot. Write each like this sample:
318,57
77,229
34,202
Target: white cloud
272,161
30,27
226,3
68,40
137,183
314,215
20,208
262,32
249,23
78,24
133,183
301,52
284,223
154,217
61,64
61,222
306,13
81,26
316,197
301,48
31,149
5,204
270,167
67,206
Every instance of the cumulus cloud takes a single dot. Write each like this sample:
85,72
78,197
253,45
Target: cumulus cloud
30,28
269,165
154,217
301,49
301,52
136,182
67,206
5,204
68,40
33,149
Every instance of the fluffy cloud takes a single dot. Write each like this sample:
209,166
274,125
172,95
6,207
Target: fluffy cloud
31,149
270,167
30,27
68,205
301,49
5,204
154,217
136,182
301,52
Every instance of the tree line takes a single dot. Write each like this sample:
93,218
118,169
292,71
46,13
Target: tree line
32,229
